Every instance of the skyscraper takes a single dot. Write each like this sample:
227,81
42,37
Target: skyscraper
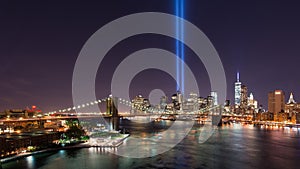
237,91
276,101
291,106
163,102
177,100
244,97
140,104
252,102
291,99
215,98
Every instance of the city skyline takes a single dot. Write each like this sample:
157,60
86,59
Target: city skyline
150,84
39,51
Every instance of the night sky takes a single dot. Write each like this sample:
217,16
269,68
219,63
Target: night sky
40,42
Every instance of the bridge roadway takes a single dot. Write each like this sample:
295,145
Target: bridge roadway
121,115
225,117
49,118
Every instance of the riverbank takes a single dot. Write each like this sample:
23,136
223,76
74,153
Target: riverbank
231,146
22,155
77,146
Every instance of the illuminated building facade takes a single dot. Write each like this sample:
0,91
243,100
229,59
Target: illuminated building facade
214,97
244,97
292,108
14,143
291,99
276,103
191,103
237,91
252,102
210,101
177,100
202,102
163,102
291,105
21,113
227,107
140,103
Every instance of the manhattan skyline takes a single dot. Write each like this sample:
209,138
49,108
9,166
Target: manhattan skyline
41,42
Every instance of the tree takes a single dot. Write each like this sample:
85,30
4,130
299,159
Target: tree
75,132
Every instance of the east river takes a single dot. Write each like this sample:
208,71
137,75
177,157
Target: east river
231,146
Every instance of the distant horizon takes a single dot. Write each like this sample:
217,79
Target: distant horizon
287,96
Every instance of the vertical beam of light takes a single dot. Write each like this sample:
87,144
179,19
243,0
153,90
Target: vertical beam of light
179,12
177,46
182,44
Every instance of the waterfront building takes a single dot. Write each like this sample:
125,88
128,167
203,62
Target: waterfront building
21,113
15,143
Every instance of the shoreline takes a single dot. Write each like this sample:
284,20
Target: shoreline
18,156
77,146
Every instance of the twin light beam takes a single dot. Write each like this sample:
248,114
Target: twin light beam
179,12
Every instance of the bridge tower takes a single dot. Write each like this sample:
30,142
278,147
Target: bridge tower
112,106
112,111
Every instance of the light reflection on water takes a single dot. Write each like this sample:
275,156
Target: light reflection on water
144,146
30,161
231,146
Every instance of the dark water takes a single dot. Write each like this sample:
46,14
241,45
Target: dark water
232,146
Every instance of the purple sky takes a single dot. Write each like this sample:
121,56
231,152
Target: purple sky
39,44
